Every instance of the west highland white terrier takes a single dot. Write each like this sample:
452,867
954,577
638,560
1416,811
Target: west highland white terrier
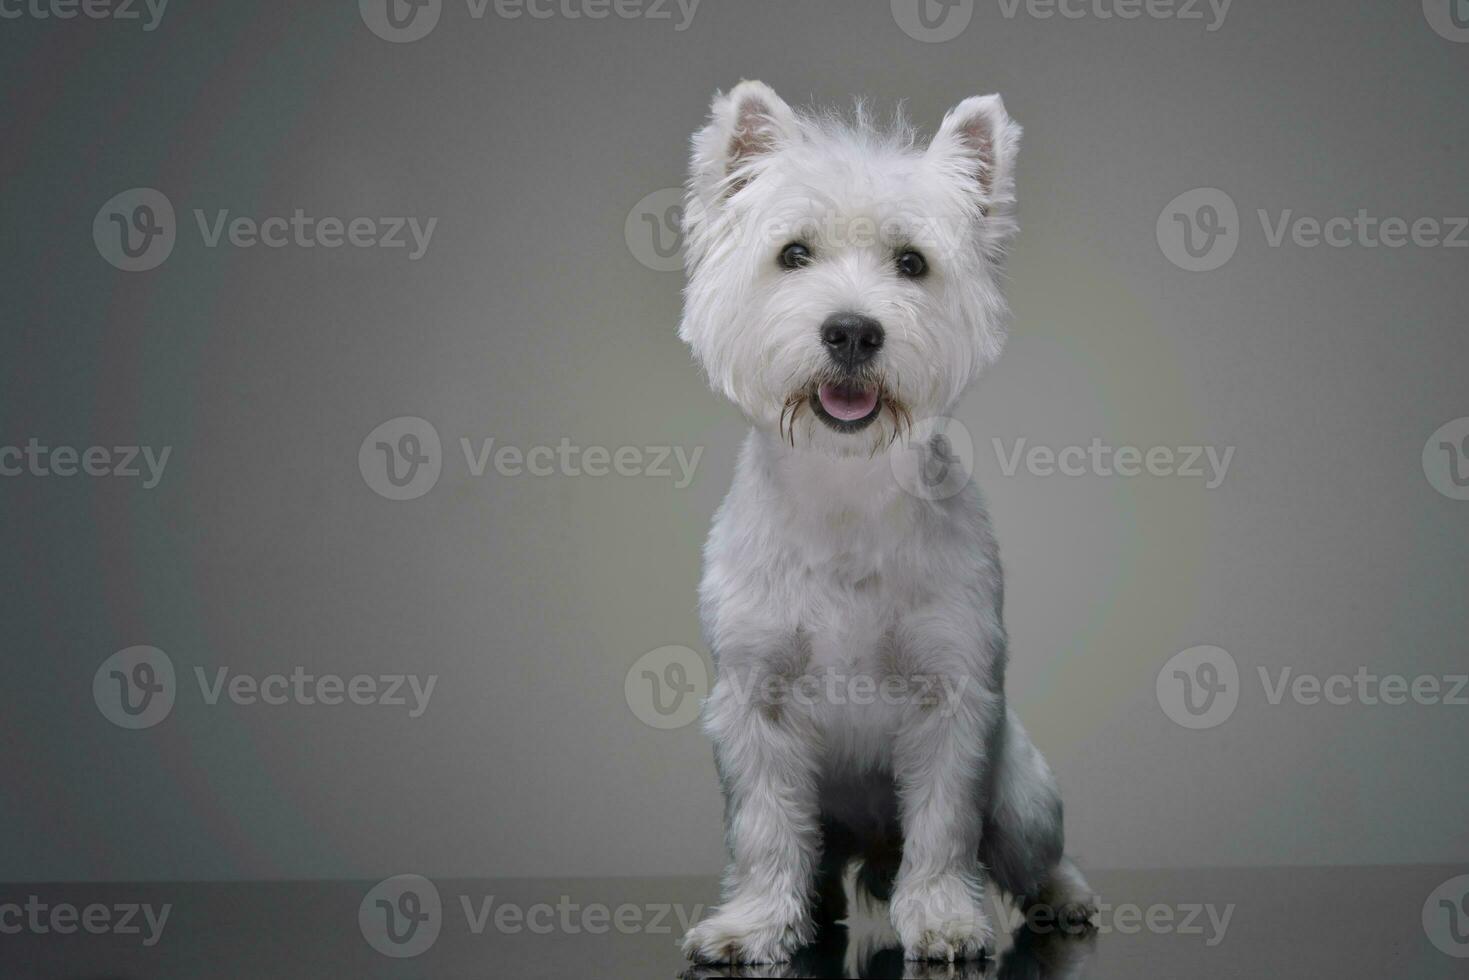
844,291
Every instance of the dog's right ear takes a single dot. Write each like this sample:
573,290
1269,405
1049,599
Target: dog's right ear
745,128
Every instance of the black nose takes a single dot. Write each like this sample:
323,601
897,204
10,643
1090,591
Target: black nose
851,339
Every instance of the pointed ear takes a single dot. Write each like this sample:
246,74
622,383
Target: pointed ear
745,128
980,137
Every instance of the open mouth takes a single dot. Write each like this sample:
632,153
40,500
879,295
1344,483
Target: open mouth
846,406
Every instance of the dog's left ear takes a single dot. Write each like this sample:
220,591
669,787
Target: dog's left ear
979,136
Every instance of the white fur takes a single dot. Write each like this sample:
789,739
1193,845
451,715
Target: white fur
821,567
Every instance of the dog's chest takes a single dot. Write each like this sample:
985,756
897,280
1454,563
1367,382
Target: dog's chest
848,613
844,584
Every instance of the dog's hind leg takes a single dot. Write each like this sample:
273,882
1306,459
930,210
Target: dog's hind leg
1023,844
837,851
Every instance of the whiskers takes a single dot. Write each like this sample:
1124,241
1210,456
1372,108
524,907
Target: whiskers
792,411
902,417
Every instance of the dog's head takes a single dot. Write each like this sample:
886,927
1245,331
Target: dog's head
843,280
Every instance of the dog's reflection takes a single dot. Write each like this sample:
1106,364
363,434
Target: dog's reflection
855,952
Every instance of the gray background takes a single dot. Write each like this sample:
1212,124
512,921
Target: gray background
531,320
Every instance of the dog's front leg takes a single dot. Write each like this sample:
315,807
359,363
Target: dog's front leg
767,752
939,757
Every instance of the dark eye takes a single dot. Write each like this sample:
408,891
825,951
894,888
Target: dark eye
912,264
795,256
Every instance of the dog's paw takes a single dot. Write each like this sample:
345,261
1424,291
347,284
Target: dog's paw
958,970
1077,914
737,936
942,919
1066,900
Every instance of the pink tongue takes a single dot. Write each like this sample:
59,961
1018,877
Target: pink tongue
847,404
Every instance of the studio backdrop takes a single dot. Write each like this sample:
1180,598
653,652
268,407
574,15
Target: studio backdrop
355,479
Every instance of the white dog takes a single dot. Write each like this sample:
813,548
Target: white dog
843,288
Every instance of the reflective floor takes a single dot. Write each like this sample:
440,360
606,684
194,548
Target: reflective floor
1407,922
